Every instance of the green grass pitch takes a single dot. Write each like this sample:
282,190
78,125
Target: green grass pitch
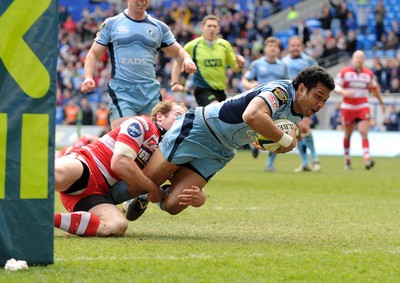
332,226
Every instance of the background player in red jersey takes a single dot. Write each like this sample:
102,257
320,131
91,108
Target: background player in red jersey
355,82
84,176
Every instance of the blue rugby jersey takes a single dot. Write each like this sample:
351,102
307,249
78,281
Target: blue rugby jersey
296,65
133,45
263,71
225,118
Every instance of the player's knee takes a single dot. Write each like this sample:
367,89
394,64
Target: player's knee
116,228
172,208
120,227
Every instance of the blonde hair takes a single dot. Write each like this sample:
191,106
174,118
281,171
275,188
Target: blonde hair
272,39
164,107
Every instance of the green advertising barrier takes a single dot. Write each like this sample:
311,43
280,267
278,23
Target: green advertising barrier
28,55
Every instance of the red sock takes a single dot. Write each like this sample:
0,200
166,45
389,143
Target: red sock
80,223
365,148
346,146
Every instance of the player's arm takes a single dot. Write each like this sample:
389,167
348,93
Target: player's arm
175,73
249,84
124,166
258,116
376,91
181,56
94,54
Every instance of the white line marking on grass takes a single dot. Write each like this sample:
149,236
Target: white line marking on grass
133,257
239,208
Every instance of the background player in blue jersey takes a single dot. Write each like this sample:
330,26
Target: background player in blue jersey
262,70
133,38
204,140
297,61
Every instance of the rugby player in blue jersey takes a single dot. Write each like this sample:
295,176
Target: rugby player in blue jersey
265,69
133,38
297,61
204,140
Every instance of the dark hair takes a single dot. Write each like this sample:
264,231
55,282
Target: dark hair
311,76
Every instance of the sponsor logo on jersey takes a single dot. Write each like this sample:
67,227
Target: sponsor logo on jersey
101,26
143,156
272,101
151,32
122,29
134,130
280,94
144,123
213,62
153,141
133,61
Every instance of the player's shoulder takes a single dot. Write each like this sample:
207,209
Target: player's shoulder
368,71
115,19
346,69
225,44
157,22
137,125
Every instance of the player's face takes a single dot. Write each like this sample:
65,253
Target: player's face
295,48
272,50
210,30
311,101
139,5
167,120
358,60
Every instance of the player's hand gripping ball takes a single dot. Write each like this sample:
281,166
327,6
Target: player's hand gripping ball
284,125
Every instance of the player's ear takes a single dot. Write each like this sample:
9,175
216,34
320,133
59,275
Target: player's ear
159,116
302,89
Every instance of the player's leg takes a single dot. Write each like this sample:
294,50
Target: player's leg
363,128
183,178
302,147
270,162
93,215
310,144
159,170
67,171
348,128
112,221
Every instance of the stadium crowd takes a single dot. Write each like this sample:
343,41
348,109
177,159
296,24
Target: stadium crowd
327,36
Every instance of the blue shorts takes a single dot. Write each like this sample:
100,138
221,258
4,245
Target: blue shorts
190,143
132,99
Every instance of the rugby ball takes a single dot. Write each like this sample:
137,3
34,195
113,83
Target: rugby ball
285,126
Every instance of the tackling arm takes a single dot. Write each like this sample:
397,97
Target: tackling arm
125,167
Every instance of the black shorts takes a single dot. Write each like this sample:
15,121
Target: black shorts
206,96
91,201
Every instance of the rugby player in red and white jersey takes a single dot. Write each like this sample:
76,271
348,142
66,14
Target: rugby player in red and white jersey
355,82
84,176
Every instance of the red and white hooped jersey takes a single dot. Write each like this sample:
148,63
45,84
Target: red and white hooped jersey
139,133
360,83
